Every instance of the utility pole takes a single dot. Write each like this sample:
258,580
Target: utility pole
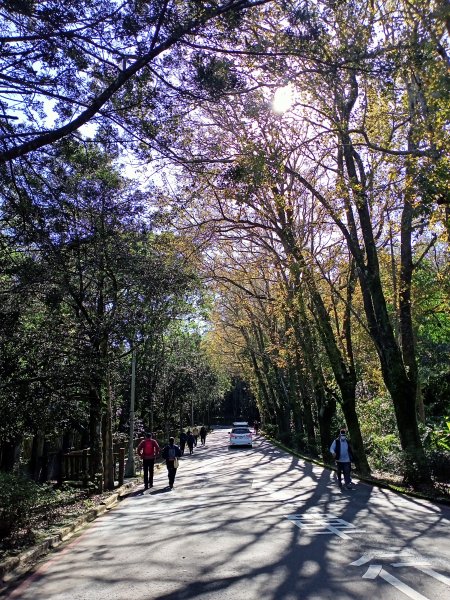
130,467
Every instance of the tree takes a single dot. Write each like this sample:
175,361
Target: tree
102,63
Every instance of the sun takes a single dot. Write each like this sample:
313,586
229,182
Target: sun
282,99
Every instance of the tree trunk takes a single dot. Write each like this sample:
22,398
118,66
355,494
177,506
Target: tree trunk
95,438
354,429
326,413
401,387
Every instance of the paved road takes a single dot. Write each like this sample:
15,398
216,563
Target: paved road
253,524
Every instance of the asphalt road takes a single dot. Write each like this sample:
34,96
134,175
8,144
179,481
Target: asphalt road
248,524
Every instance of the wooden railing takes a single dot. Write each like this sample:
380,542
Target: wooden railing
75,465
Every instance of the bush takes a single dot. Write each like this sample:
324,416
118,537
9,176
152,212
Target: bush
271,430
439,461
285,437
384,453
301,443
441,435
18,498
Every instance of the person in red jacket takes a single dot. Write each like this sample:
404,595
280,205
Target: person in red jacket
148,450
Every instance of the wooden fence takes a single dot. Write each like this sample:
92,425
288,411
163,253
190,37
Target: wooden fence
75,465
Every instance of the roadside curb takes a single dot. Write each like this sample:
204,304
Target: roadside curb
26,559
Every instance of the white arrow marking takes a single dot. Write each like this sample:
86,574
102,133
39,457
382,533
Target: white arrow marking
377,571
438,576
372,572
367,557
424,567
401,586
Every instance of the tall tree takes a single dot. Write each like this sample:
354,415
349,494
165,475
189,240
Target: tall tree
106,63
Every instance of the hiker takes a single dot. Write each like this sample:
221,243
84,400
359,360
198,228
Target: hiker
341,451
190,442
183,440
203,435
171,453
195,434
148,450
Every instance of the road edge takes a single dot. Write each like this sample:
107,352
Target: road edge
17,566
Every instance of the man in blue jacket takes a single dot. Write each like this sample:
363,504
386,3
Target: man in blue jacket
171,453
341,450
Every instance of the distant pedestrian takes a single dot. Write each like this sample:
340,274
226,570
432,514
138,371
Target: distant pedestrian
195,434
171,453
256,427
190,442
203,435
183,440
148,450
341,450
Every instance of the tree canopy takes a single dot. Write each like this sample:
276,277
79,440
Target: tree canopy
157,201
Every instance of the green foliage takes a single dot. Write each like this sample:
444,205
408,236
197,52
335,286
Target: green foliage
384,452
436,395
18,497
271,430
439,461
438,437
216,75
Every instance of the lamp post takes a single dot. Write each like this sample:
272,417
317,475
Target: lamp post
130,466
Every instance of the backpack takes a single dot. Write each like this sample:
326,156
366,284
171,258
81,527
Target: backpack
171,453
148,449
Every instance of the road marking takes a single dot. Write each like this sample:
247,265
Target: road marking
313,522
425,568
410,559
377,571
368,556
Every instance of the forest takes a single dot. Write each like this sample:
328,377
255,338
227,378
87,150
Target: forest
205,200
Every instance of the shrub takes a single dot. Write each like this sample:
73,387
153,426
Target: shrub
18,498
285,437
439,461
441,435
271,430
384,452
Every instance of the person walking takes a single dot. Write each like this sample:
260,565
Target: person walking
148,450
195,434
171,453
342,452
190,442
183,440
203,435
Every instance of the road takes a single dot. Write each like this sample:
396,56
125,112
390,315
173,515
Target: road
253,524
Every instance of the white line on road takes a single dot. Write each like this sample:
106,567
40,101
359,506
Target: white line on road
368,556
425,568
312,522
377,571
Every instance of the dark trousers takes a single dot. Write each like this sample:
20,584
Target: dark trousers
171,472
203,438
149,469
344,468
195,440
191,448
182,445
